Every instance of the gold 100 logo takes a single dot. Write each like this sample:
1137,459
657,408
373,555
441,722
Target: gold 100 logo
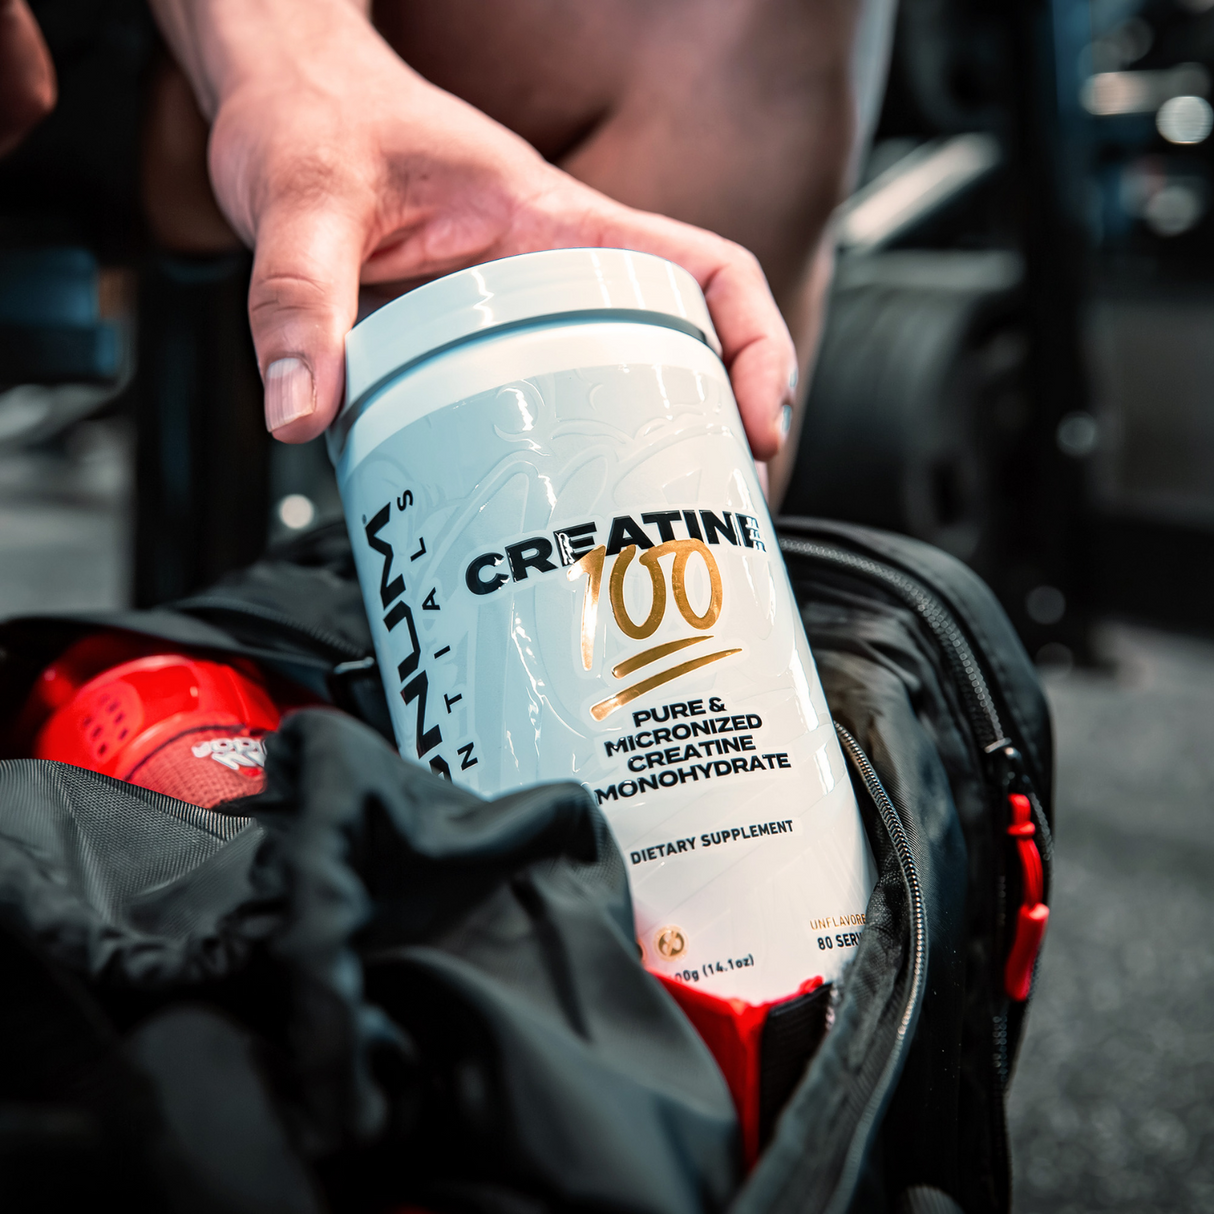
591,567
574,548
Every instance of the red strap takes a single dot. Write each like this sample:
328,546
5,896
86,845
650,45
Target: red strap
1033,914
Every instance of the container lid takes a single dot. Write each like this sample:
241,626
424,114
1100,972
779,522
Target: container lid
557,285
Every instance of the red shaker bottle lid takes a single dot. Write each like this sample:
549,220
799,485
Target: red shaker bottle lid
185,726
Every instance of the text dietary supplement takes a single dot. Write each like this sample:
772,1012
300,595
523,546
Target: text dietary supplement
570,573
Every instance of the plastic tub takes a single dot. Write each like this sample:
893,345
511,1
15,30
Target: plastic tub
571,573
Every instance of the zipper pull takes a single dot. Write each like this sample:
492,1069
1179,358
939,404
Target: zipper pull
1033,914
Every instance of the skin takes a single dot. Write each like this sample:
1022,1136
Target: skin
350,156
27,76
735,117
376,151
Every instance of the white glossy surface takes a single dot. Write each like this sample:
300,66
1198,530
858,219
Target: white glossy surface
513,290
507,441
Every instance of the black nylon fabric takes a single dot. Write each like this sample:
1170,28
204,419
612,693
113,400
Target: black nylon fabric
498,935
434,999
877,705
75,1119
803,1168
117,882
298,613
1012,677
886,681
465,1016
177,1116
223,1143
792,1033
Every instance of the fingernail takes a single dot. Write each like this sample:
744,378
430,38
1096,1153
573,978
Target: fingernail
290,393
785,420
792,379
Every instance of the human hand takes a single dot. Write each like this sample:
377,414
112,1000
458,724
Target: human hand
341,165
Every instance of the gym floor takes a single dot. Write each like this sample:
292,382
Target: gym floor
1111,1108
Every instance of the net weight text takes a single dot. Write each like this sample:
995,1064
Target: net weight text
715,967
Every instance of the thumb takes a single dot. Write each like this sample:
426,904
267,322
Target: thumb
303,299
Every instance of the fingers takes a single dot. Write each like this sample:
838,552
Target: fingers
756,346
757,350
302,301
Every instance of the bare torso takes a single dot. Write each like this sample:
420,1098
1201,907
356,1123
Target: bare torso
735,116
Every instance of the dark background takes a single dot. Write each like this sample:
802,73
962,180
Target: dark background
1018,366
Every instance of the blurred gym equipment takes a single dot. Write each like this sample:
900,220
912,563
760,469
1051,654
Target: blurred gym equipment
65,341
201,446
1014,366
1016,362
952,349
96,322
918,347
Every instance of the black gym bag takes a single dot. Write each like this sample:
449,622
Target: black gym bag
367,989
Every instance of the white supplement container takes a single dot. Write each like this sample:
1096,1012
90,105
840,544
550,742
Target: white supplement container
571,573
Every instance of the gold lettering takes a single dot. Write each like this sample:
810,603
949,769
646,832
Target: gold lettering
657,609
683,550
628,665
606,707
592,566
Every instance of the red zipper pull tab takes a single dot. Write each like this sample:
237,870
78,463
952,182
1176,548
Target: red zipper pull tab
1033,914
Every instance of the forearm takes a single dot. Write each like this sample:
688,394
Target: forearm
220,44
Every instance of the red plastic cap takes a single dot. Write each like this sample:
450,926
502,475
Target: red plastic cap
184,726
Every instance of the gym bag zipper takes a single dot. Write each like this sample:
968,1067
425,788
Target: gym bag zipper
980,706
838,1196
858,1149
1003,761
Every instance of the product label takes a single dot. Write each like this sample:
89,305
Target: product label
574,576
